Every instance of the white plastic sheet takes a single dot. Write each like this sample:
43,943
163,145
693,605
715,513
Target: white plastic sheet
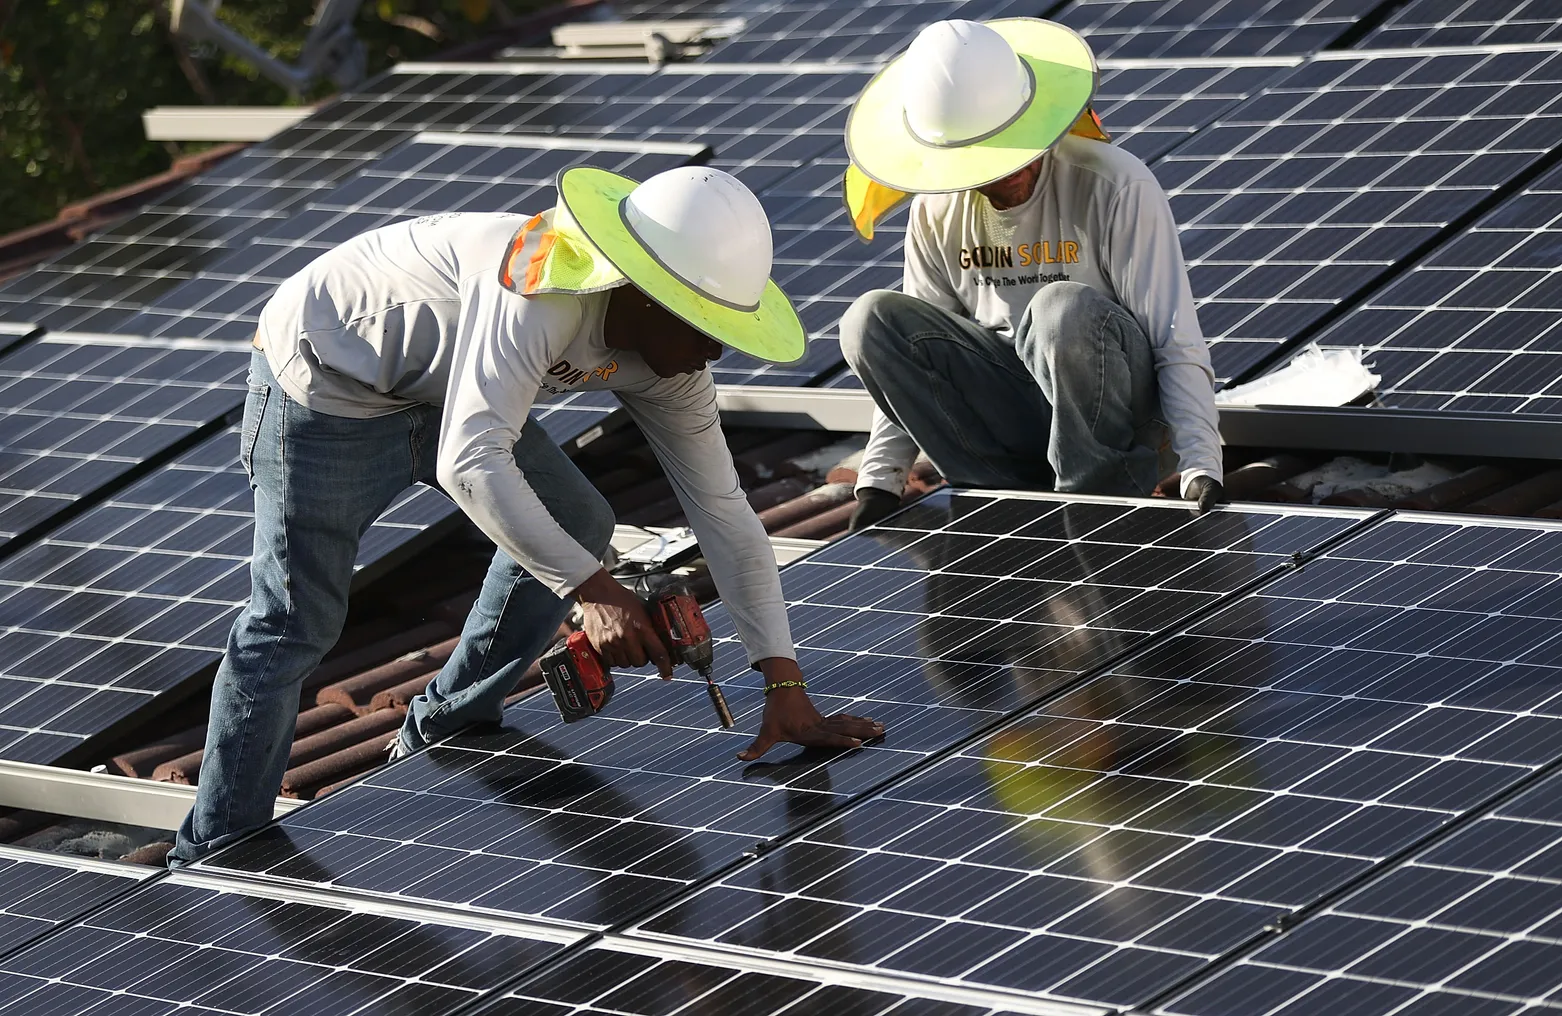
1314,377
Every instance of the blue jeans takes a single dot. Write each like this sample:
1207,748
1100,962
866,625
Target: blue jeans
320,481
1068,403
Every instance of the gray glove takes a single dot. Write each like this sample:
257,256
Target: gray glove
1207,491
873,505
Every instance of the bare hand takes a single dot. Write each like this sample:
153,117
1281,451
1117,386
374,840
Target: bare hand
618,626
790,717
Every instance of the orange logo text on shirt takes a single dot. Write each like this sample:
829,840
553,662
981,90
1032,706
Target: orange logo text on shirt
1043,252
568,374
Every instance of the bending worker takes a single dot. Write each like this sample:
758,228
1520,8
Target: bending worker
1046,326
418,350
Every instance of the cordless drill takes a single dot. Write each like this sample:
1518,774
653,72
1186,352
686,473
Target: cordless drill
582,686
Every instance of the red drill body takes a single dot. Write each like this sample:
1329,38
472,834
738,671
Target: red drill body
582,686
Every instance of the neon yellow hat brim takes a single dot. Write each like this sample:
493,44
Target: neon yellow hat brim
883,147
772,332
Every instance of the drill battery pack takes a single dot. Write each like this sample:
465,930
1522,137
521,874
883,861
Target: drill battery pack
581,686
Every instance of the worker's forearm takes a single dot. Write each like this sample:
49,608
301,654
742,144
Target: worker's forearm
1188,405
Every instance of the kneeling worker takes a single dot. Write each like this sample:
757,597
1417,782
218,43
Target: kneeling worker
625,287
1046,326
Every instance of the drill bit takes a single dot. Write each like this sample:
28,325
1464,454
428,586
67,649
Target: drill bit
718,701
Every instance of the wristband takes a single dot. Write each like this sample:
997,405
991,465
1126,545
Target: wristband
785,684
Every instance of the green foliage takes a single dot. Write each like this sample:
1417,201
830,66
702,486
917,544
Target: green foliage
75,76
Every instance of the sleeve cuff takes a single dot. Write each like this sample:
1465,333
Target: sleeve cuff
1189,475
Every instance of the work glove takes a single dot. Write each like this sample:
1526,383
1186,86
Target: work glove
873,505
1207,491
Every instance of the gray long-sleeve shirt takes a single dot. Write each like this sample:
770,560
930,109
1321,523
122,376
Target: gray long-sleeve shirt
416,313
1097,216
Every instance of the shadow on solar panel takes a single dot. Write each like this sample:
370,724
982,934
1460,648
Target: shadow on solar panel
1130,831
965,608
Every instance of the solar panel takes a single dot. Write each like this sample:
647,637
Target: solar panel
1164,28
135,597
1303,196
39,892
204,947
624,977
937,627
781,32
1473,326
1468,23
145,261
1129,831
77,413
1469,925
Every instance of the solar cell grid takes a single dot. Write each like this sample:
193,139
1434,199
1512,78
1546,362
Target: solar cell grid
1305,194
1469,925
1123,835
591,823
77,413
1474,325
1468,23
101,283
135,596
1193,28
40,892
784,32
196,947
622,979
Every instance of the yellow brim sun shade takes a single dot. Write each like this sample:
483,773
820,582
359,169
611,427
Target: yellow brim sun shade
885,150
591,198
867,202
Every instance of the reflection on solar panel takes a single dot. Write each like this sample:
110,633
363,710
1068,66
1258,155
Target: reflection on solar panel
1131,830
781,32
1474,326
1192,28
1151,108
1469,925
136,596
1468,23
76,414
937,628
1306,194
622,978
213,947
40,892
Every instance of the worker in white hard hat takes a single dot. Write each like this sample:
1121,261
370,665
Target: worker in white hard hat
416,351
1045,328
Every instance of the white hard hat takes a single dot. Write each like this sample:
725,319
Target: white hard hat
707,229
963,82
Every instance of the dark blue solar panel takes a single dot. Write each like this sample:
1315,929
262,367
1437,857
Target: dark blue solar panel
76,415
967,608
1467,23
1304,195
136,596
194,947
1477,324
1195,28
1137,827
1471,924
